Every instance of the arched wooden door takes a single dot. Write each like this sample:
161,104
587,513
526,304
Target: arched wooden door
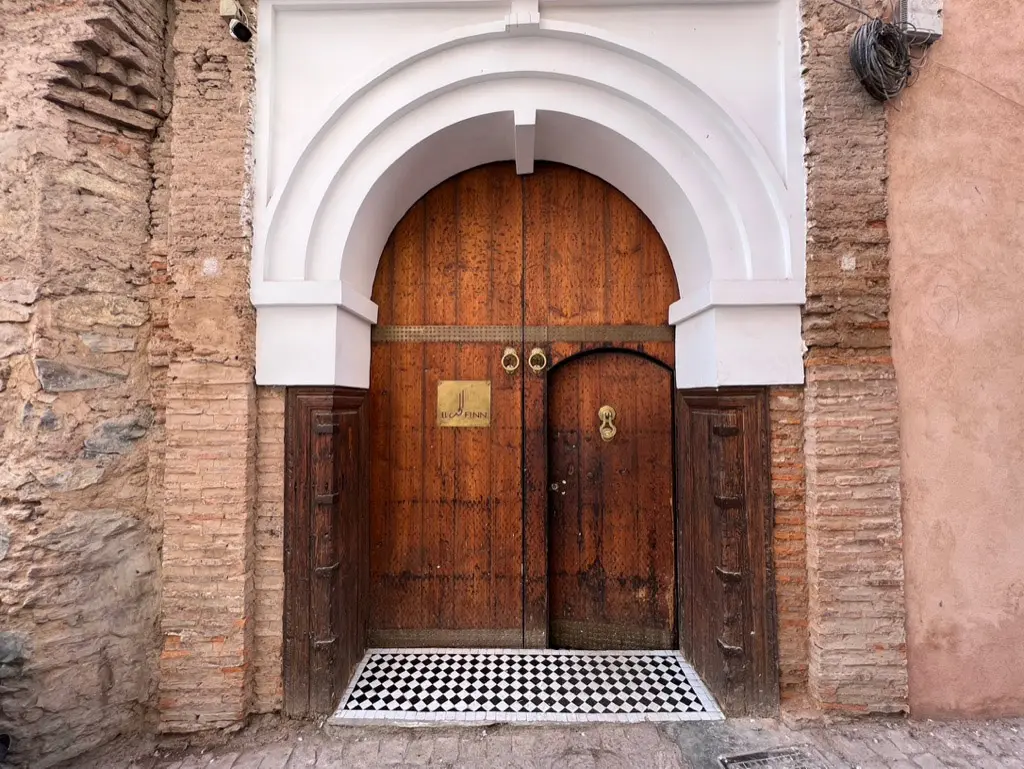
611,558
557,277
490,271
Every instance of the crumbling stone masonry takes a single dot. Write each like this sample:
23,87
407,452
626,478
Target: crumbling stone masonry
82,92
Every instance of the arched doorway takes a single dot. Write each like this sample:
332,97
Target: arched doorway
428,510
611,518
486,286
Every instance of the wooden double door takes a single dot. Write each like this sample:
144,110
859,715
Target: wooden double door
553,522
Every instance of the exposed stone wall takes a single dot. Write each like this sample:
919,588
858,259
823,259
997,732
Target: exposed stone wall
209,495
786,409
269,691
856,611
81,90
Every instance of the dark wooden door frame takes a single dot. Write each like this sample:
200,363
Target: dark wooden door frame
736,649
313,677
326,545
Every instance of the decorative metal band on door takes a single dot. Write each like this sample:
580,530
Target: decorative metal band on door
508,334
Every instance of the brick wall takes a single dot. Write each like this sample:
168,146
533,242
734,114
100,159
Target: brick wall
856,614
786,410
267,679
209,499
81,92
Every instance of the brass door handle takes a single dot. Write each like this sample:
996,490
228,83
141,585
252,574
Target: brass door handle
510,360
538,360
607,429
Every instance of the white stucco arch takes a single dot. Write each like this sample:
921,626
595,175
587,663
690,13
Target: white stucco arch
555,91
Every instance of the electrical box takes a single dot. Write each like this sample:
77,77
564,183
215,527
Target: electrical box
923,19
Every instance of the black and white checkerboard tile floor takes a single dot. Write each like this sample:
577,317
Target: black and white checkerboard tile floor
524,685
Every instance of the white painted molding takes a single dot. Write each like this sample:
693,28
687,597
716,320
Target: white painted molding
523,16
458,84
526,140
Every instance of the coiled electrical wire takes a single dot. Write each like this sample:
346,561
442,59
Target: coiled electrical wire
880,56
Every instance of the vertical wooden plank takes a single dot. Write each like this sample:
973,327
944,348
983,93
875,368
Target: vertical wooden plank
657,280
380,415
404,589
620,553
295,660
472,507
656,500
623,290
566,260
438,276
506,432
565,526
323,561
362,544
591,580
764,674
350,558
537,223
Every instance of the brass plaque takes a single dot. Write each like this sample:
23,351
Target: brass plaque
463,404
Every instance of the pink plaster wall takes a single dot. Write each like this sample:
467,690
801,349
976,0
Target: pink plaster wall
957,228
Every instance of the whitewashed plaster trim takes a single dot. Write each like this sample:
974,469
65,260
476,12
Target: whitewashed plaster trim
524,88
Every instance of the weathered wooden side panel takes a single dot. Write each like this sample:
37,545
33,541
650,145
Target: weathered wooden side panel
727,609
325,545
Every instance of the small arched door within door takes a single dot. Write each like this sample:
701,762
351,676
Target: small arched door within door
611,524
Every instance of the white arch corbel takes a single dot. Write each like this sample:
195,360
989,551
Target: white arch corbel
707,186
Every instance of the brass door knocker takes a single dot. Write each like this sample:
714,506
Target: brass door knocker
607,429
510,360
538,361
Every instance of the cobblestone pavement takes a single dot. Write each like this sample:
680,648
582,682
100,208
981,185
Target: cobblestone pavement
693,745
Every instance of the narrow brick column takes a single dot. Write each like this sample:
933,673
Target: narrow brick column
856,612
789,545
209,520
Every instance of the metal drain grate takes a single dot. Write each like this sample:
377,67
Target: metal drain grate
801,757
